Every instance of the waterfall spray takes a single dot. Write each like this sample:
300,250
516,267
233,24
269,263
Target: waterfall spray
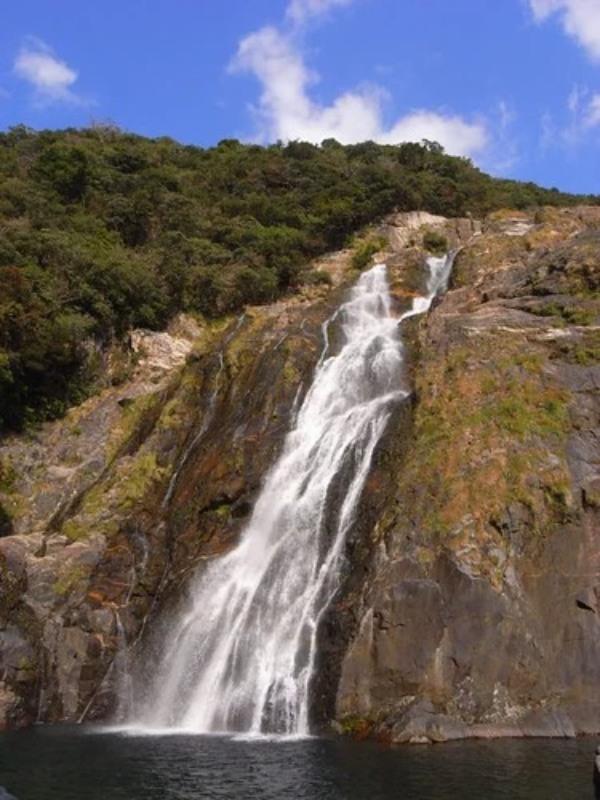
241,657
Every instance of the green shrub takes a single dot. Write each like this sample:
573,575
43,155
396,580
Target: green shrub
365,250
317,277
104,231
435,243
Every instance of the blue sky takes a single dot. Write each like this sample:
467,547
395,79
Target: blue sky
513,84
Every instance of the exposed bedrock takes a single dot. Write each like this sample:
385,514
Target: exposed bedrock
476,609
470,598
114,508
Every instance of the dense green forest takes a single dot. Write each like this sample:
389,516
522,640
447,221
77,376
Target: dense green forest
102,231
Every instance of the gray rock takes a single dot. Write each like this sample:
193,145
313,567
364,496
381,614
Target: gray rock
487,600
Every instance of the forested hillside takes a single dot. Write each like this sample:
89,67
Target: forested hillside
102,231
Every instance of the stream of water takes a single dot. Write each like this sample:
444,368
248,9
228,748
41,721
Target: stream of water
240,659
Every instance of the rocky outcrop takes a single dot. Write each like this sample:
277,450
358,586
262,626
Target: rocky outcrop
108,512
479,612
470,600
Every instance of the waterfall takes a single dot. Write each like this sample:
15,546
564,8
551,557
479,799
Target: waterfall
241,657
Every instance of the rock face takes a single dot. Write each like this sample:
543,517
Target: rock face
470,600
479,612
109,511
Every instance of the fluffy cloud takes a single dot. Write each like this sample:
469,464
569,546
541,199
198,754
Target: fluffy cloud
50,77
286,111
580,20
300,11
452,132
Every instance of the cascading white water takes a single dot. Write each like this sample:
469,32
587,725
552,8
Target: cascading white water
241,658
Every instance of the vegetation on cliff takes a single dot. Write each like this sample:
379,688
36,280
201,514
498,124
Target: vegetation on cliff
488,490
104,231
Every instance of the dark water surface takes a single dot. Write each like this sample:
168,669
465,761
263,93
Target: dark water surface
73,764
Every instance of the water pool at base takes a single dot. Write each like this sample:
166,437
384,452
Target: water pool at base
78,763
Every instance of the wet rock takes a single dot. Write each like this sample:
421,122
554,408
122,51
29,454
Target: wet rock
547,723
470,594
114,508
597,773
420,724
480,596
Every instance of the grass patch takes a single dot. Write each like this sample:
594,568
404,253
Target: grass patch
435,243
317,277
585,351
490,431
586,356
74,530
139,476
72,580
365,250
356,727
8,477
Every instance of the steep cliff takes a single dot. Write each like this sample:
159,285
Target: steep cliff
107,513
479,612
470,595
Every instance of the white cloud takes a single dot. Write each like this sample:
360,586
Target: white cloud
506,116
286,111
583,114
503,153
592,113
452,132
584,110
574,100
580,20
300,11
50,77
548,133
